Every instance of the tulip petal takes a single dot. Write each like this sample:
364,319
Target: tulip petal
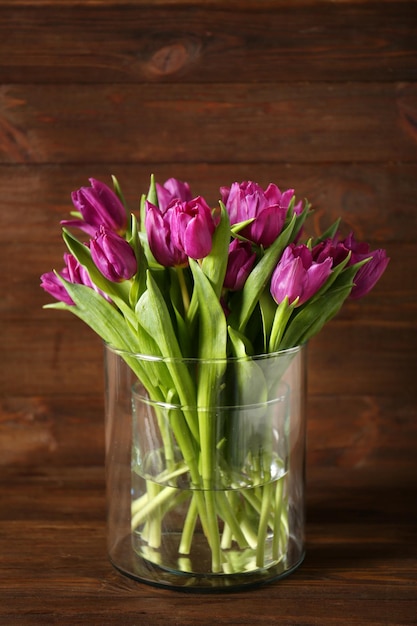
369,274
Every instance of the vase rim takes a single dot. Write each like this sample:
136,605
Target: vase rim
159,358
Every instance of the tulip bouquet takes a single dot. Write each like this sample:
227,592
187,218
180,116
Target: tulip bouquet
184,281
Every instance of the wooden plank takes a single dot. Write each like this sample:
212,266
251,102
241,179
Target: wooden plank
359,358
343,432
213,42
52,430
26,299
244,4
54,566
265,123
366,357
353,432
377,201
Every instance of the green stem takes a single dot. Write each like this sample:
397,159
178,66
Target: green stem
227,536
189,527
206,424
150,508
282,315
213,530
184,290
263,524
155,521
277,519
230,519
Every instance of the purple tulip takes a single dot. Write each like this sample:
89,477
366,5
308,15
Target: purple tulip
330,248
297,275
367,275
98,205
159,232
78,274
52,285
193,227
182,230
239,264
74,273
268,209
172,189
113,255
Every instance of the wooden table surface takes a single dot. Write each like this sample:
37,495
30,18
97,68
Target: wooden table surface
360,567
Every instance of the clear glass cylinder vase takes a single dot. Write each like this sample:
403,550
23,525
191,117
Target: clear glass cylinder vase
205,468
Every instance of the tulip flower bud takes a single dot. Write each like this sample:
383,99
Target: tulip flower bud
193,227
367,275
267,209
98,205
52,285
113,255
239,265
74,273
183,230
172,189
158,229
297,275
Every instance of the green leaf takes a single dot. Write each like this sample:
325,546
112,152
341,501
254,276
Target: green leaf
268,308
83,255
236,228
329,233
251,385
183,332
212,337
107,322
213,330
214,265
282,315
154,316
212,351
142,215
101,316
118,292
139,282
119,194
118,190
310,318
259,277
152,196
183,329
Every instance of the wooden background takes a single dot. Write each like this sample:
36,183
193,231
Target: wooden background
316,95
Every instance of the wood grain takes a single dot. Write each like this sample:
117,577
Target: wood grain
376,200
142,42
361,357
316,95
348,548
344,432
292,123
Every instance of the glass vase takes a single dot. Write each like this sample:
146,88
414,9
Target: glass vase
205,468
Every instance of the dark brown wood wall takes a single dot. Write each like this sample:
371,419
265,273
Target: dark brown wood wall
319,96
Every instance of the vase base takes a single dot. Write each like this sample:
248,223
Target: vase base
128,563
